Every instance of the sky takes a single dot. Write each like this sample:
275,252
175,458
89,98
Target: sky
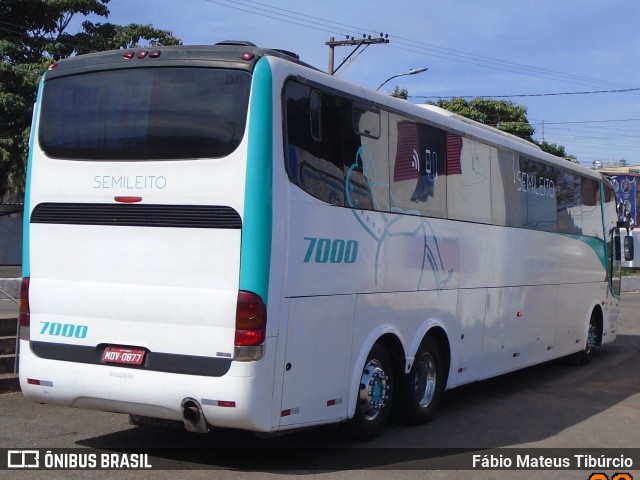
574,64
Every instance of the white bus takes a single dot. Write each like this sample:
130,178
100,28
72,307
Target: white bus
226,237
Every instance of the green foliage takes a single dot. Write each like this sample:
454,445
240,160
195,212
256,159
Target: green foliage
557,150
398,92
106,36
32,36
504,115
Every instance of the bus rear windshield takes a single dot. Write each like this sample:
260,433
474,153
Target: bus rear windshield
144,114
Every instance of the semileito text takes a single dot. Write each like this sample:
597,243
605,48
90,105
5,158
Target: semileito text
137,182
534,184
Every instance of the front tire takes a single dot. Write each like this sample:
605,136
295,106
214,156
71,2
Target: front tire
419,391
585,356
375,394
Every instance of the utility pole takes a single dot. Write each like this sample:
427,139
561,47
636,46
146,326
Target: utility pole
351,42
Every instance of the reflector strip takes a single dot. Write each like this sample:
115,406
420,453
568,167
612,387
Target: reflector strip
290,411
41,383
335,401
219,403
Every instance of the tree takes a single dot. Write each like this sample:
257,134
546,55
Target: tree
32,36
398,92
504,115
557,150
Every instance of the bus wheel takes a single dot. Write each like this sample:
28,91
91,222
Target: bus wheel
419,391
375,394
585,356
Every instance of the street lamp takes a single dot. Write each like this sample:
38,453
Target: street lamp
410,72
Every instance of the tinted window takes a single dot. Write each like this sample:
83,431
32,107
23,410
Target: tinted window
350,154
314,142
469,185
503,192
591,209
326,157
141,114
366,121
418,170
569,203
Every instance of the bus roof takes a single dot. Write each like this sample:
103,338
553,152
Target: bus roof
227,54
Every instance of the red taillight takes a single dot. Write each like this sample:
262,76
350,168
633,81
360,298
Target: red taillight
141,54
251,320
25,316
121,199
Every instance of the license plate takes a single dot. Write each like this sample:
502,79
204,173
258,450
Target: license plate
122,355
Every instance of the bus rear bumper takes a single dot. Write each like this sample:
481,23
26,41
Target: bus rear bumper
229,401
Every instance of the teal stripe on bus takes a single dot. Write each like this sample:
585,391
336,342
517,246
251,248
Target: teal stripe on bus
598,246
255,256
26,215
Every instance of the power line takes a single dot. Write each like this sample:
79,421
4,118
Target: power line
498,64
620,90
308,24
410,45
352,42
302,16
594,121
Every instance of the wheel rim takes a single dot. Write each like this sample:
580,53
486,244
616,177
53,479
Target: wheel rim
425,379
374,389
591,338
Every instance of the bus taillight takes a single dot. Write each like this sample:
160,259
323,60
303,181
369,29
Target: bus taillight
251,319
251,326
25,313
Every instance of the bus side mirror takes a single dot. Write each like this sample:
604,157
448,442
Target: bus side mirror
628,248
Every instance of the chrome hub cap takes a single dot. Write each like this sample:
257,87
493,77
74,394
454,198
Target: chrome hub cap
425,379
374,387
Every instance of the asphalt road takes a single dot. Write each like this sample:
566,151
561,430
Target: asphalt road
550,406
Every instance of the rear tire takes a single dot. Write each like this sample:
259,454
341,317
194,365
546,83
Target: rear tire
375,395
419,391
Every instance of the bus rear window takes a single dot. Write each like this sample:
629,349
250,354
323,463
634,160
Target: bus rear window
144,114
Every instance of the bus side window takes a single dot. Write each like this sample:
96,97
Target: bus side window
314,143
315,109
417,169
591,210
569,203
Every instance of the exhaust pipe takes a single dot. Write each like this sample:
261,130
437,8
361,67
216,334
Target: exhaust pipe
192,416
